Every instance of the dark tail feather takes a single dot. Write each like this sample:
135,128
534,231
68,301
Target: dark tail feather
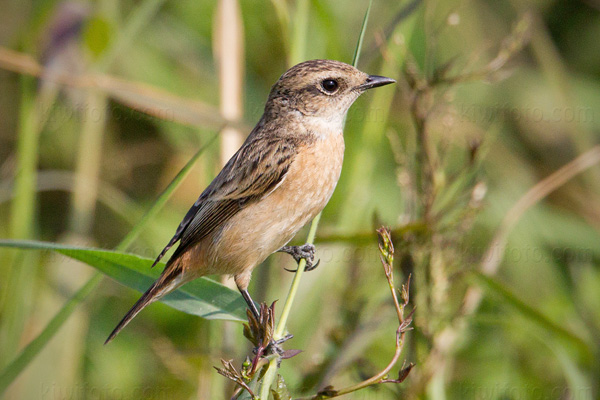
157,290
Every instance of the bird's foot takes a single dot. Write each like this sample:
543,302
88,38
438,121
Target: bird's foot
306,252
274,346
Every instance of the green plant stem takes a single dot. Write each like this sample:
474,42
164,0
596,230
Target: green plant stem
89,162
282,11
15,289
280,330
361,36
269,376
299,32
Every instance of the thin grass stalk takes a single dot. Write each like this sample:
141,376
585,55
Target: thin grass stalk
361,36
229,50
35,109
299,33
89,162
17,283
17,297
271,373
282,11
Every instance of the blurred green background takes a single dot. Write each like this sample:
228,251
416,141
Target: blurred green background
103,102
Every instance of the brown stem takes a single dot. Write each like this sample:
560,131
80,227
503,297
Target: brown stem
387,256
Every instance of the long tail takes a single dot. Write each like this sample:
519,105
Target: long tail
171,279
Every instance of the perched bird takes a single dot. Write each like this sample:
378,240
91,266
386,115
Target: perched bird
281,178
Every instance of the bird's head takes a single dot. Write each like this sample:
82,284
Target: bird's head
320,88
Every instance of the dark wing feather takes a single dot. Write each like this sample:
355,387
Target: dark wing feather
252,173
199,205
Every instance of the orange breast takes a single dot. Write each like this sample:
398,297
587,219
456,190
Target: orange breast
263,227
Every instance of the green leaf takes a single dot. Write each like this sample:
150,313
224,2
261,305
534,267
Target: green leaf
203,297
281,391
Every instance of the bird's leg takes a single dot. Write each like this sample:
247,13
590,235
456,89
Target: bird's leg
241,281
306,251
262,328
250,303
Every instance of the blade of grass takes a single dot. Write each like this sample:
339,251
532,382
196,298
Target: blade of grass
33,348
299,32
283,15
89,162
17,271
163,197
361,36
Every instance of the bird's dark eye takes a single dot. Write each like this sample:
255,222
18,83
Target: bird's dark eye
330,85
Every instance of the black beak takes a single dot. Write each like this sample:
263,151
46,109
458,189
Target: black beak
376,81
